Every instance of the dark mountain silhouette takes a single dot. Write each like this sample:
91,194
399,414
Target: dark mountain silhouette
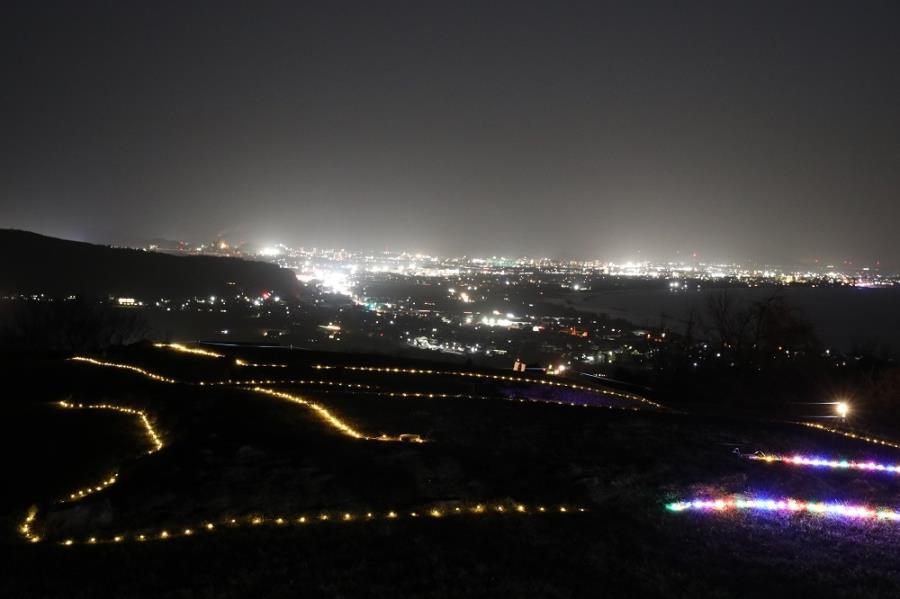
32,263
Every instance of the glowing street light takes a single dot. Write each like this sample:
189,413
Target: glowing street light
842,409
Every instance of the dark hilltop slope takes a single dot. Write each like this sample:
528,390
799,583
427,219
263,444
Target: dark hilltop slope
32,263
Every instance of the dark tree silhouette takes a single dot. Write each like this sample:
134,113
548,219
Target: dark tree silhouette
71,326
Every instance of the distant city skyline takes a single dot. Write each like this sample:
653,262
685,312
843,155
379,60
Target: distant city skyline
817,263
763,131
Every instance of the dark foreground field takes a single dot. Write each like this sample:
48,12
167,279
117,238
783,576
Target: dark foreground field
234,454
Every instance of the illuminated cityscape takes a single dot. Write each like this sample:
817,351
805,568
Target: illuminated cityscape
450,299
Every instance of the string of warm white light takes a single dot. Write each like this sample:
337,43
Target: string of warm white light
438,511
232,522
155,438
319,382
495,377
459,373
81,493
147,373
158,377
189,350
832,508
432,395
334,421
850,435
26,528
801,460
239,362
320,409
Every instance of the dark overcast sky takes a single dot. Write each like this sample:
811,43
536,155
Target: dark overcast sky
740,130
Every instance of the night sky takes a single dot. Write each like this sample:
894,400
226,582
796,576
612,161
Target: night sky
765,131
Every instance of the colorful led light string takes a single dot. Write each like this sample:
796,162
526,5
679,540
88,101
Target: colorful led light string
801,460
785,505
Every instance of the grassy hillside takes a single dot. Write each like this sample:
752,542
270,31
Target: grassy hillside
232,453
32,263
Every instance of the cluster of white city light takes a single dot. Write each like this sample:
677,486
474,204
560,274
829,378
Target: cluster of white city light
322,517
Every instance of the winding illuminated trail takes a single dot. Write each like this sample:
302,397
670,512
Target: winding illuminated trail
469,396
423,371
26,528
434,511
493,377
147,373
189,350
154,436
329,419
407,371
850,435
229,522
321,411
332,420
314,517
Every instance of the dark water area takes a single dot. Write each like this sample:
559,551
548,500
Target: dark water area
844,317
